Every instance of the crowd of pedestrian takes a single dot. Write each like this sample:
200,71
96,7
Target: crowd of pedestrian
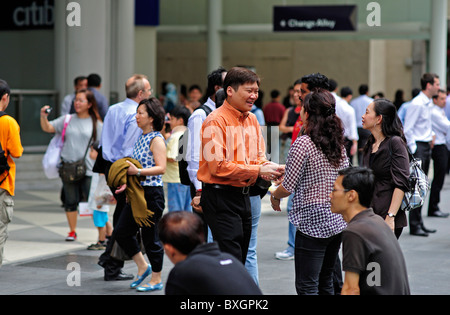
314,136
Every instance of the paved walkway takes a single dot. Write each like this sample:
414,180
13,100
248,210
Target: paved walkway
37,257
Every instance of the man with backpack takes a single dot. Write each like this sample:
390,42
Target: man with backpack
11,146
215,82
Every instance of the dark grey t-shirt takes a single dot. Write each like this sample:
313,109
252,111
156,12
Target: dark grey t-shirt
371,249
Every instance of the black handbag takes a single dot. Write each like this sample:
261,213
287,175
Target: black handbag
74,171
118,253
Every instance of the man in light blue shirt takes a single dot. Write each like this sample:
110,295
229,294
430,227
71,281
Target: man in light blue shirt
120,133
120,130
404,107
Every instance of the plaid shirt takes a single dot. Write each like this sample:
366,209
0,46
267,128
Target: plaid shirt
310,176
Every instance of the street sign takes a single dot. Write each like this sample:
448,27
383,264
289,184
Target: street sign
315,18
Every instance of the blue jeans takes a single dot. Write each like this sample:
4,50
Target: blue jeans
178,197
315,260
251,263
291,229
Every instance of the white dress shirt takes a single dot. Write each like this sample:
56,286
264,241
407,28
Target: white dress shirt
194,144
440,124
418,126
347,114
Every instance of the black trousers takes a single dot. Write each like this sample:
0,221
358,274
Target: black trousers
439,155
127,228
423,153
229,216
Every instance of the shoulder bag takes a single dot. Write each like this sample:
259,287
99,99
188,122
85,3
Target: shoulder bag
418,183
74,171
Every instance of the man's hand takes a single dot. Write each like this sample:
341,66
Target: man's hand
271,171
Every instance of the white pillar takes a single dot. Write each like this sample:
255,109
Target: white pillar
84,49
214,34
122,48
146,54
438,41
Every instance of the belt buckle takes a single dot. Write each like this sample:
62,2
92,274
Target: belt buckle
245,190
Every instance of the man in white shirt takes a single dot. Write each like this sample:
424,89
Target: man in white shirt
360,104
439,154
419,135
347,114
215,82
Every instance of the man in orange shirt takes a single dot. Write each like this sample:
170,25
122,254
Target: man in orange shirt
232,158
12,146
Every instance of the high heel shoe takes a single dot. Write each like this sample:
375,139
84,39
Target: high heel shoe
139,279
148,287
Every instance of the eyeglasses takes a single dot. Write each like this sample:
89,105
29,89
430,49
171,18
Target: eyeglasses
344,190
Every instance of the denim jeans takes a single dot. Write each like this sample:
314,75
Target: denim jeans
251,263
315,260
178,197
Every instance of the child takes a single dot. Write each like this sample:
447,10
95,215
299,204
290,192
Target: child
179,196
100,208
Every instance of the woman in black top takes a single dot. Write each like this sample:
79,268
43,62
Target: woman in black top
386,154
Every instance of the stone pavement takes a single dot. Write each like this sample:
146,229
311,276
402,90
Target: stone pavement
37,257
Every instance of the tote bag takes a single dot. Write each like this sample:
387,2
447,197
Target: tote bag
52,156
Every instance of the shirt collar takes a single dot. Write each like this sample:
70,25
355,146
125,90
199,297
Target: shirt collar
234,111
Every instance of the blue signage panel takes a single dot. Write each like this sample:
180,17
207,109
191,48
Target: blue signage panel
147,12
315,18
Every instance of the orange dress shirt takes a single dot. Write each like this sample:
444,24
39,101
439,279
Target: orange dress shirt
10,140
232,148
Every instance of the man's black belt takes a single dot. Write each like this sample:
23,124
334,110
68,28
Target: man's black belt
242,190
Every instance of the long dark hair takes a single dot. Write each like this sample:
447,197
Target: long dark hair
323,127
93,111
391,124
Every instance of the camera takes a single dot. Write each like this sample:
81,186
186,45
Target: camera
48,110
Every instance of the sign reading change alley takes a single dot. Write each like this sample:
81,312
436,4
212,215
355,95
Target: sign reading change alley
315,18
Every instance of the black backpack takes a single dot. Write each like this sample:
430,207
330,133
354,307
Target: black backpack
4,166
183,142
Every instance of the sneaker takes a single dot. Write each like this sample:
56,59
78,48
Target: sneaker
72,236
97,246
285,255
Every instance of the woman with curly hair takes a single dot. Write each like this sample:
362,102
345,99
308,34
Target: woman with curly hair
386,154
311,170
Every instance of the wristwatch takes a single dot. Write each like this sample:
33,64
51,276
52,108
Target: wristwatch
391,215
139,172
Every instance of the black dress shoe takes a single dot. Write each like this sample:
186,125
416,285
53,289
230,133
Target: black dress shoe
439,214
428,230
120,276
418,232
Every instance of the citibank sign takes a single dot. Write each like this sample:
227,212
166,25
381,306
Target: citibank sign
27,15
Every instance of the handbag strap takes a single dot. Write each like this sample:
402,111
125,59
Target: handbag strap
66,123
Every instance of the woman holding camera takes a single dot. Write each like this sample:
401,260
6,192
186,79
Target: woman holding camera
84,128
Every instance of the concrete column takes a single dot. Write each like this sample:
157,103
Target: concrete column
61,84
438,41
84,49
214,34
146,54
377,66
122,48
